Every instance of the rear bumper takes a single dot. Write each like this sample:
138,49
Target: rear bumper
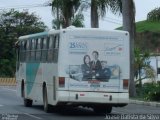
92,97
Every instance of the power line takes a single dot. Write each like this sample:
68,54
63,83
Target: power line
117,20
46,4
112,22
26,6
114,19
108,19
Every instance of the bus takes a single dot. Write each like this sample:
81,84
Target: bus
74,67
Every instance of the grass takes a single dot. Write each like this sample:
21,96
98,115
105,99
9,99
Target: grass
144,26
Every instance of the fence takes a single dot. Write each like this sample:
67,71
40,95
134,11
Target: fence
7,82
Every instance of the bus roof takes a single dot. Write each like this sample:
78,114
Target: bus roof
33,35
71,28
86,29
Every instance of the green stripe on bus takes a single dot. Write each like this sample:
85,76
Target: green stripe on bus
31,73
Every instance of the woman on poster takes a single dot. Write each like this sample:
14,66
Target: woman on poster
86,68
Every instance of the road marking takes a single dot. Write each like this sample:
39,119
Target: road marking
9,89
117,112
1,105
33,116
120,112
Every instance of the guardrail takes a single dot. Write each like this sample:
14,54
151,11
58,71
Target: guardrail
7,81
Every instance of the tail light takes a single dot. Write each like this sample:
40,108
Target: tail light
125,84
61,81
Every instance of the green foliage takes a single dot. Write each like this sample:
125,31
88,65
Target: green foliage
12,25
140,62
99,8
56,24
64,11
78,20
20,23
7,67
115,6
151,91
154,15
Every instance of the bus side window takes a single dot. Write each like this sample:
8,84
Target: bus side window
56,42
50,49
44,49
38,49
18,47
24,51
55,49
32,50
41,48
21,49
28,50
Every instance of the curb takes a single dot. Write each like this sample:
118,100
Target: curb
154,104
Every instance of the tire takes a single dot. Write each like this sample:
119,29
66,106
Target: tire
103,109
108,109
47,107
28,102
22,90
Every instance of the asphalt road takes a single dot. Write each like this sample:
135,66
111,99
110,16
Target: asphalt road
11,108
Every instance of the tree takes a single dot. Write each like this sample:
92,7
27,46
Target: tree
64,11
128,12
98,9
76,21
12,25
154,15
141,63
94,14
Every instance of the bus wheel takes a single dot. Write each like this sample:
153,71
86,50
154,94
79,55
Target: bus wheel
22,89
108,109
103,109
47,107
27,102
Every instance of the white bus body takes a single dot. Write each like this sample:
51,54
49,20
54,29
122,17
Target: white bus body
61,80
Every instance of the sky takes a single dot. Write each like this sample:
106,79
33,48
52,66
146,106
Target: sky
110,22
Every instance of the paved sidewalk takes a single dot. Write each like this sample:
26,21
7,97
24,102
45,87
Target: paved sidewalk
154,104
